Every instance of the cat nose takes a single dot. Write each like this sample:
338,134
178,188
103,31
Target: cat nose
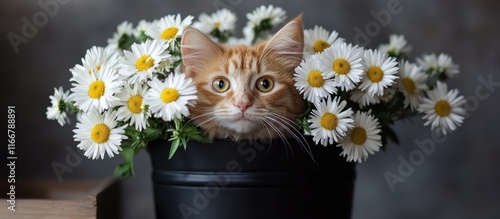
243,105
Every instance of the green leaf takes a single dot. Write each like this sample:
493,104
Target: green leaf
181,134
192,133
222,36
126,169
178,124
125,41
151,134
304,124
136,144
143,37
73,107
184,143
173,148
262,30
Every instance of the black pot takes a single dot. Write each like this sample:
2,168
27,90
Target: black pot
230,180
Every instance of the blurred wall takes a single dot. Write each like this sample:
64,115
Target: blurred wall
459,180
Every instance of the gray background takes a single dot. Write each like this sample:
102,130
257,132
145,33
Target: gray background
459,180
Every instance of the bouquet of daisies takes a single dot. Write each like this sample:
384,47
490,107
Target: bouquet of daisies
133,90
356,94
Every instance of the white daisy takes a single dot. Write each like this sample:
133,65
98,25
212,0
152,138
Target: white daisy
318,39
312,82
443,109
98,134
124,30
59,102
329,121
141,28
96,90
249,34
271,14
263,19
413,84
142,61
345,63
446,65
79,70
132,107
99,57
363,98
169,28
95,59
362,139
438,64
397,45
222,20
169,99
380,72
428,63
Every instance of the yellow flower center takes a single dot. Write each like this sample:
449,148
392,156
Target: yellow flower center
358,136
409,85
341,66
169,33
217,24
315,79
329,121
100,133
144,63
442,108
169,94
96,89
135,104
375,74
320,46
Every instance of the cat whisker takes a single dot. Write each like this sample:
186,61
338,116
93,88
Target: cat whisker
269,132
283,135
280,134
199,116
291,124
208,120
264,125
295,133
210,113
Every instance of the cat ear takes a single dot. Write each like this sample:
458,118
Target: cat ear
287,44
197,50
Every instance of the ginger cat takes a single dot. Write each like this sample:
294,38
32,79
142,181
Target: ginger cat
246,92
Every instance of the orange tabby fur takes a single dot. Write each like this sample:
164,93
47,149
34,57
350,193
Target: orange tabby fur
243,111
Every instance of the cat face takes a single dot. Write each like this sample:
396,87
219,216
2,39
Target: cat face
245,92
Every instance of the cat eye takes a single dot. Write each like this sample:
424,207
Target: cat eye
265,84
220,85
